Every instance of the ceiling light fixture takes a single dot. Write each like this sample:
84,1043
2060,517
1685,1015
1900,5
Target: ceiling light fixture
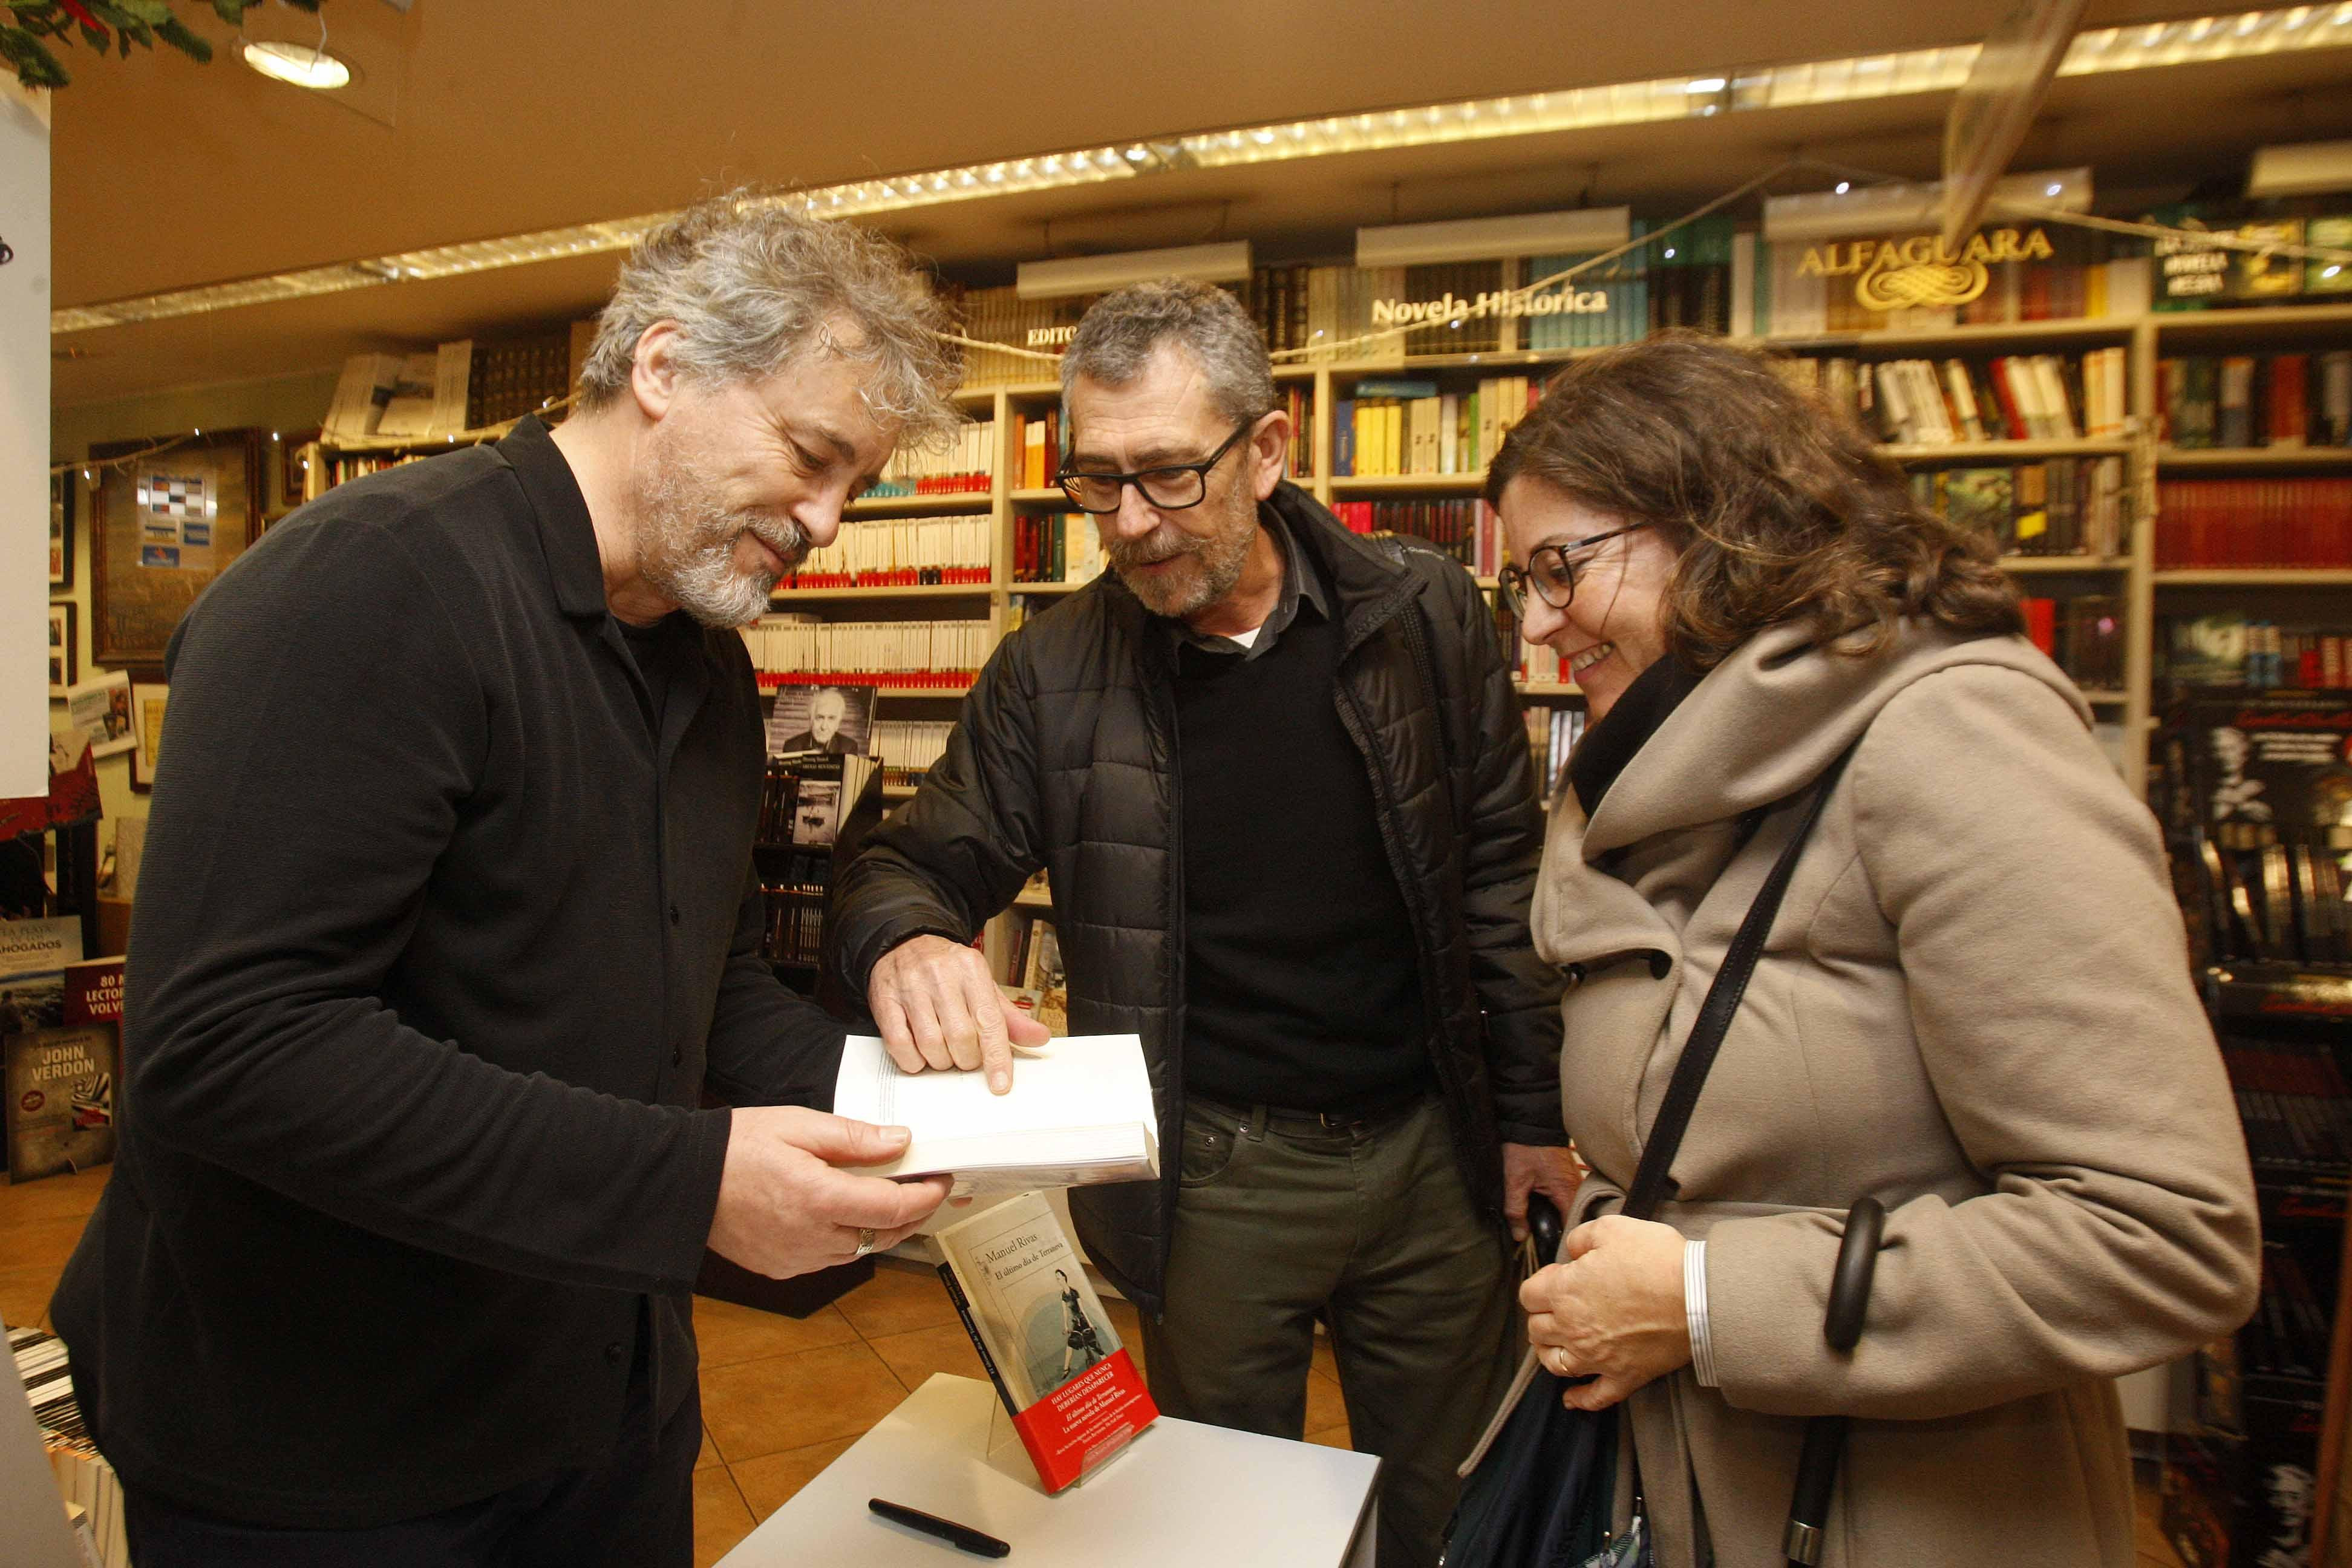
2106,50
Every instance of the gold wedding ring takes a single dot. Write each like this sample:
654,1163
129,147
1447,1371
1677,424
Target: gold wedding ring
865,1244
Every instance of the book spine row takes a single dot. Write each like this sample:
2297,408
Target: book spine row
2270,522
898,553
908,749
1055,547
2068,506
2257,400
2082,635
795,650
1956,402
1394,427
965,465
1468,531
1553,731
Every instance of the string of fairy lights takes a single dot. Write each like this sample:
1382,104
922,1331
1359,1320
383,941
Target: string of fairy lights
1367,345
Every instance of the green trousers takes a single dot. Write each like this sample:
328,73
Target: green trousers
1370,1228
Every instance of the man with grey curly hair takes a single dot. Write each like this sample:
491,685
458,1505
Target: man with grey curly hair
394,1267
1280,783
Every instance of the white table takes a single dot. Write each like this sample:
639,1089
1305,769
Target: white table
1182,1495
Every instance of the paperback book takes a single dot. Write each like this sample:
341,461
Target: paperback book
1079,1112
1056,1360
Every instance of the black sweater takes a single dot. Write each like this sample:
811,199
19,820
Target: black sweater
1302,983
438,942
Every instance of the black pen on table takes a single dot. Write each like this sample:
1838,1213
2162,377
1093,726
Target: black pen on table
947,1530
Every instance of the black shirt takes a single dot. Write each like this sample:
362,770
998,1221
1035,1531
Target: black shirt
440,939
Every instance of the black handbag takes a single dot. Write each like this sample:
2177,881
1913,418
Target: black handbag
1543,1493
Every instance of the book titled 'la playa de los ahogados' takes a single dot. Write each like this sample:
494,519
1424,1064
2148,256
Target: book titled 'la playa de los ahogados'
1057,1359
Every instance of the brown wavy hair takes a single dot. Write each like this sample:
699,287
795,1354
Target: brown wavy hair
1779,510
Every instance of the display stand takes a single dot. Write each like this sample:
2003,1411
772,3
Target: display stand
1184,1494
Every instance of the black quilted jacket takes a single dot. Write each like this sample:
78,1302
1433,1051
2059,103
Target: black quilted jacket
1065,758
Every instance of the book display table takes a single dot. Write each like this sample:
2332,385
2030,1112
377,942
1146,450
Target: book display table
1182,1494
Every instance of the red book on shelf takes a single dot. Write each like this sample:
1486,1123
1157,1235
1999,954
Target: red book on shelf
2287,400
2041,624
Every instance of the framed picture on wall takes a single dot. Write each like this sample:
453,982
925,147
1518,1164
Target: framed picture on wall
61,510
165,525
147,699
64,668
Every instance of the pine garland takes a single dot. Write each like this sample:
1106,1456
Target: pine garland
103,26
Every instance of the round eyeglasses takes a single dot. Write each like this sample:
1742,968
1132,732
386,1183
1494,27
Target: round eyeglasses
1549,572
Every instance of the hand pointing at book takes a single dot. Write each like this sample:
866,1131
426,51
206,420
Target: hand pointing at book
938,1008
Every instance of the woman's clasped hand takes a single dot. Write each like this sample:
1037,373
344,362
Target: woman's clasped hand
1613,1311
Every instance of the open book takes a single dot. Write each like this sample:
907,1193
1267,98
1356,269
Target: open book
1079,1112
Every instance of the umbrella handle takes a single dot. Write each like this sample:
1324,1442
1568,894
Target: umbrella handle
1817,1466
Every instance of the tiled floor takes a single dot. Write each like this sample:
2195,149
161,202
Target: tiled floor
781,1397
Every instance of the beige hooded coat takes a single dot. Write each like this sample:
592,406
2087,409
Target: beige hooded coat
1974,1004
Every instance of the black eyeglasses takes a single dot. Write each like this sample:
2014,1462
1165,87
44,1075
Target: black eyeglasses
1171,486
1553,580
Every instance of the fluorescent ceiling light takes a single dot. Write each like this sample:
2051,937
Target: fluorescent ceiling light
2143,47
2310,169
1101,274
1910,208
1483,238
300,64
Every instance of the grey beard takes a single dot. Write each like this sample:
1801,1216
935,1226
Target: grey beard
707,584
1221,560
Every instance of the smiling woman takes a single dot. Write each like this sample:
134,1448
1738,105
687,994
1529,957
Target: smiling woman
1767,626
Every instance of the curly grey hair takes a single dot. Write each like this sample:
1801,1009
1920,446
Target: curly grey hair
753,283
1119,332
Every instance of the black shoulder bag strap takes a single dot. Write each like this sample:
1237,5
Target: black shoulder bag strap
1651,1182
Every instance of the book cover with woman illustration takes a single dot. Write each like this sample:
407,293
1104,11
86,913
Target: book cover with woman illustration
1054,1356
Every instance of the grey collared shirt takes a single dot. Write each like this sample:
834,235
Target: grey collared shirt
1299,583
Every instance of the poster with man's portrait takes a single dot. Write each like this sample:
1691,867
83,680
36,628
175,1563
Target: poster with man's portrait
102,707
828,721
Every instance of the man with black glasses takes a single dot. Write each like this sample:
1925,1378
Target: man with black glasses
1279,781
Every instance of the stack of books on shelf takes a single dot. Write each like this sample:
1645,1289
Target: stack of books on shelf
1036,452
2225,649
1056,547
899,552
1943,403
84,1479
2266,522
1397,427
1298,400
1468,531
2295,1106
791,649
1002,316
907,748
1607,305
2033,272
2257,400
1553,729
962,467
2083,634
2068,506
1539,665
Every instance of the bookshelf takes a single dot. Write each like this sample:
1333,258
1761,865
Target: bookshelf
2145,589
